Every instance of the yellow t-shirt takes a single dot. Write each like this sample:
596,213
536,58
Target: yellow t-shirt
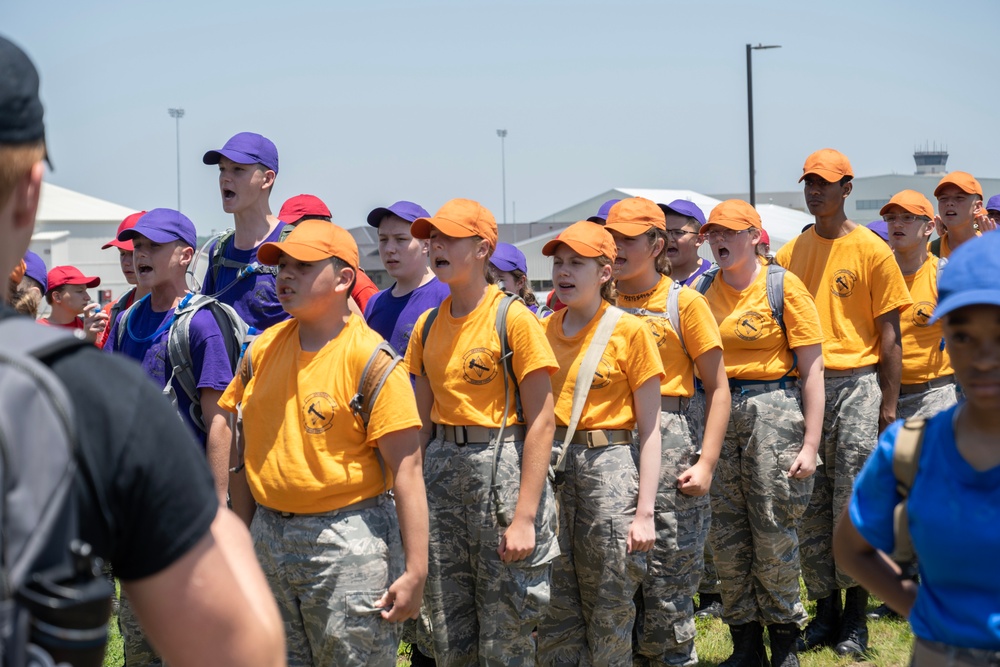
462,360
924,357
756,348
305,450
630,359
854,279
698,326
945,246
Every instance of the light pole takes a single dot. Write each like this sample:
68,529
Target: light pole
177,114
750,49
503,171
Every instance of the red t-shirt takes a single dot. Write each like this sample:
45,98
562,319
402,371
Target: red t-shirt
364,289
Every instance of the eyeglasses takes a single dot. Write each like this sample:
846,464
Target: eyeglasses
677,233
716,235
907,218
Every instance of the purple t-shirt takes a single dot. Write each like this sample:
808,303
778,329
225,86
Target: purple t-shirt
254,297
210,361
394,316
702,268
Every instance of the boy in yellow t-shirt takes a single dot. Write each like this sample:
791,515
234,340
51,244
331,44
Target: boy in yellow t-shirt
859,294
961,216
315,487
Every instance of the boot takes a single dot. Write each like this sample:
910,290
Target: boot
883,611
784,644
748,646
418,659
822,630
709,606
853,638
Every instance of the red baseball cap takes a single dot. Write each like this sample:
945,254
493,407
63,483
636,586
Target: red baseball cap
127,223
301,206
70,275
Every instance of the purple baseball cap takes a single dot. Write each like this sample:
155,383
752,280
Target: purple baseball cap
163,225
881,228
508,258
993,204
246,148
406,210
35,269
602,213
683,207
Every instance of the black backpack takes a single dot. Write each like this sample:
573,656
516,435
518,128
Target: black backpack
55,603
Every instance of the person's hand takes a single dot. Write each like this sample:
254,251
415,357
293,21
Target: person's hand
402,600
641,534
518,541
94,321
984,222
695,481
804,464
939,226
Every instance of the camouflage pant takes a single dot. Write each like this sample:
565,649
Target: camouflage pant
926,403
850,431
696,419
479,610
326,572
666,629
589,619
755,506
138,652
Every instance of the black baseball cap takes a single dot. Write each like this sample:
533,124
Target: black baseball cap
21,112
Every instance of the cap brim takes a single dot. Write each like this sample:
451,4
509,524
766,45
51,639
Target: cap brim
979,297
504,264
421,228
630,228
738,225
582,249
270,253
88,281
825,174
598,219
121,245
214,157
375,217
154,235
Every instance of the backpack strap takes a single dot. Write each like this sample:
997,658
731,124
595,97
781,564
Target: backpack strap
585,376
219,260
905,464
507,354
543,311
428,321
119,306
674,311
775,282
246,374
377,369
936,246
705,280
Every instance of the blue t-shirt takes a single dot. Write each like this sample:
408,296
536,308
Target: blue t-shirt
210,361
394,316
254,297
954,514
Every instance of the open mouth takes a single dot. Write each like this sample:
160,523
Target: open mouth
438,263
228,195
723,253
671,252
143,269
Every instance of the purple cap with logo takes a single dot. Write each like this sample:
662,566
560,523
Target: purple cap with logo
35,269
406,210
993,204
246,148
508,258
683,207
163,225
881,228
602,213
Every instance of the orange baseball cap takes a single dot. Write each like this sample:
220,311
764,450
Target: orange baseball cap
127,223
734,214
585,238
634,216
18,273
829,164
965,182
910,201
312,241
461,219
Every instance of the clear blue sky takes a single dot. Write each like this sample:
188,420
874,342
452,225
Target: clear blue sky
374,101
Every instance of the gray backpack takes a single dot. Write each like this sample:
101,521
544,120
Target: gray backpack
47,573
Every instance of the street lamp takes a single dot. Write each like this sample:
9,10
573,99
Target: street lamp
177,114
503,171
751,48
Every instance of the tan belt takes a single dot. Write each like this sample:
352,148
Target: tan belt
674,403
472,435
921,387
360,505
596,438
846,373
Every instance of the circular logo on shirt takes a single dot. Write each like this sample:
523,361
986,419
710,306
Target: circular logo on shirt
750,325
478,366
602,374
407,332
317,412
844,281
921,313
658,329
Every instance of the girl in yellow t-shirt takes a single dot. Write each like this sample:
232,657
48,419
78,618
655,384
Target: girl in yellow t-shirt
691,431
764,477
606,485
492,514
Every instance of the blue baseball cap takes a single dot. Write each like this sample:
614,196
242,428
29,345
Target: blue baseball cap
993,204
880,227
163,225
969,277
684,207
406,210
35,269
508,258
602,213
246,148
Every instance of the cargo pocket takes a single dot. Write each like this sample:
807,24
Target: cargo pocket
684,631
367,633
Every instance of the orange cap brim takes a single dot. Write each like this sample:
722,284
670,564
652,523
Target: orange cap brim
270,253
421,228
629,228
825,174
580,248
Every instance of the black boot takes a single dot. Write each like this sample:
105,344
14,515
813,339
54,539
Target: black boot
822,630
784,644
748,646
709,605
418,659
853,638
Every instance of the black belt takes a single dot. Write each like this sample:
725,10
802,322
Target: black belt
471,435
601,437
921,387
360,505
747,386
